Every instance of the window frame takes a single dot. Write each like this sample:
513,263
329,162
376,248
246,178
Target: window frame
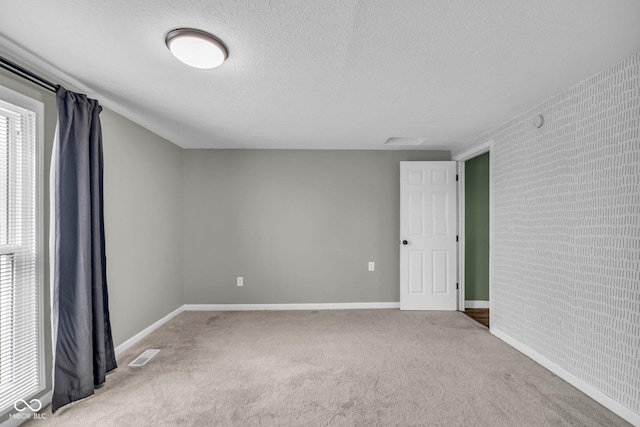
37,107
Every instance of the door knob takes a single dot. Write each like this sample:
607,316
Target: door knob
404,242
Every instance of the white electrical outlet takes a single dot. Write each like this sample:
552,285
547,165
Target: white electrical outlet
239,281
372,266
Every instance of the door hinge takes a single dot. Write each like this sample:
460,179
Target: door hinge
457,285
457,238
457,177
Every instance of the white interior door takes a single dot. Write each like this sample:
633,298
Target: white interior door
428,255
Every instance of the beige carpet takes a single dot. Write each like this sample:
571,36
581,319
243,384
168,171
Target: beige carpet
343,368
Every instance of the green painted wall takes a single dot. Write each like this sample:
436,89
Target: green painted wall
476,225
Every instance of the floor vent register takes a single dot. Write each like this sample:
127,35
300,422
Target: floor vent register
144,357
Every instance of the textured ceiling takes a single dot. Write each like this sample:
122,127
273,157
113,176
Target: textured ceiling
323,74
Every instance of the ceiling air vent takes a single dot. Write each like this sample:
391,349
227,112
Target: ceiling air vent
405,141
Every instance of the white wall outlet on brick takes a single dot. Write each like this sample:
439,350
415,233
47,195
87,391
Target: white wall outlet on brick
239,281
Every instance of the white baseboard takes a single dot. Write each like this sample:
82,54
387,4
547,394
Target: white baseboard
302,306
606,401
476,304
45,400
140,335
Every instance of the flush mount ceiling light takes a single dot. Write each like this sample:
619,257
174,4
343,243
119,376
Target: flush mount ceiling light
196,48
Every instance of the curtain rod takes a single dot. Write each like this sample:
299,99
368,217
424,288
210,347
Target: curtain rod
27,75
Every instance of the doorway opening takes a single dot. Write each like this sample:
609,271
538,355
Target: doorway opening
474,169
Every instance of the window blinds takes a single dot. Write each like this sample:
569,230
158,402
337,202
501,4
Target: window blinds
20,349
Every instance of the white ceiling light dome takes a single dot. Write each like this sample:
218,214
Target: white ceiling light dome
196,48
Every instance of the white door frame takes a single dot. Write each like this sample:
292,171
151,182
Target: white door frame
461,157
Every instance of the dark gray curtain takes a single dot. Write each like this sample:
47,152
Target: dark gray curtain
83,346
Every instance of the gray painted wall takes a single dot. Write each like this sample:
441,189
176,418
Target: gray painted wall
143,222
299,226
143,215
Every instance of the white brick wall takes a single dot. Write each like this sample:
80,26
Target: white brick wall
566,254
